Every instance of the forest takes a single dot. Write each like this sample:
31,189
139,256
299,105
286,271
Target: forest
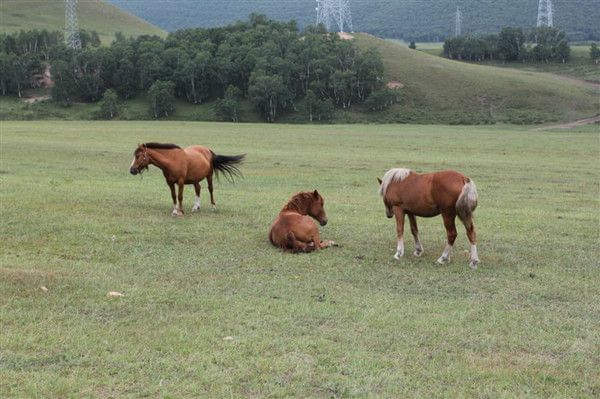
273,64
541,44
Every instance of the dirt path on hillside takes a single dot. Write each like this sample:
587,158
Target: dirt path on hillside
580,122
578,82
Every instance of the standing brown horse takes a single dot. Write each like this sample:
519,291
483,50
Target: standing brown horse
182,166
294,230
450,193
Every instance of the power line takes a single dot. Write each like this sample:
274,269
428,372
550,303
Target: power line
458,23
335,12
545,13
72,38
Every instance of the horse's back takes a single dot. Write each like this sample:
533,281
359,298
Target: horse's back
198,150
199,162
447,186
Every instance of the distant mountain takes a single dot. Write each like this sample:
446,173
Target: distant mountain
421,20
104,18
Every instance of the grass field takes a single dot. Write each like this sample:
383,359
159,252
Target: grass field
104,18
345,322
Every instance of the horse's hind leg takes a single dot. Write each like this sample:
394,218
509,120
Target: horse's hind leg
451,233
174,197
295,246
399,213
415,232
210,190
472,236
197,203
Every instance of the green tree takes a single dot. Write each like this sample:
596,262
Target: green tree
64,91
109,104
381,99
268,93
227,107
511,44
6,71
162,98
595,53
316,108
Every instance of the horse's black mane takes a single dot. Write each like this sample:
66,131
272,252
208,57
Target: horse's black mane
162,146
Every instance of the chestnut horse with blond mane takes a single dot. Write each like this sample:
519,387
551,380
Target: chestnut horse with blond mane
448,193
183,166
293,230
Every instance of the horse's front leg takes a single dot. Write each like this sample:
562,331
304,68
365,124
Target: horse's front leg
181,186
174,197
399,213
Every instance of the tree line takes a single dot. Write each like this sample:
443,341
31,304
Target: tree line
542,44
270,63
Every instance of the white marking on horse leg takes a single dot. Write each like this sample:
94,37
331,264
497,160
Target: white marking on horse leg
399,249
214,207
175,211
196,204
445,255
418,247
474,257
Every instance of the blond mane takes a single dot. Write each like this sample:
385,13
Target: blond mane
392,175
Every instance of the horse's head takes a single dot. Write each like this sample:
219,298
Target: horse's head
316,208
388,208
141,160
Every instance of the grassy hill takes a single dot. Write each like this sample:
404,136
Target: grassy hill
423,20
104,18
579,66
442,90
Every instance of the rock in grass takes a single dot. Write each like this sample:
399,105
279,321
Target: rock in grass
114,294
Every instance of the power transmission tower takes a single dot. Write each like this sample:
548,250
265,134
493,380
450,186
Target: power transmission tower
545,13
334,12
71,25
458,23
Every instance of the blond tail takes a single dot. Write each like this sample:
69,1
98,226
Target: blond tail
467,200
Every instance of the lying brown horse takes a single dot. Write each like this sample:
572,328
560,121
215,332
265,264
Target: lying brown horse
450,193
294,230
182,166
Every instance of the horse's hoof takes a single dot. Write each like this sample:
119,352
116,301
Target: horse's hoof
214,208
398,256
418,253
473,264
442,261
194,210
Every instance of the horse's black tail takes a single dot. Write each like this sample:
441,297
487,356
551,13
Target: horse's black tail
227,165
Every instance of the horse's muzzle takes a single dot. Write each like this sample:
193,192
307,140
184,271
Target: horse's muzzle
323,222
133,171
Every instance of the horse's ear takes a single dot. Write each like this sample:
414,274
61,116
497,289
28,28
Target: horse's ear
379,180
316,194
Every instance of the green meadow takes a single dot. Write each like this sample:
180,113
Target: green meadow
211,309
